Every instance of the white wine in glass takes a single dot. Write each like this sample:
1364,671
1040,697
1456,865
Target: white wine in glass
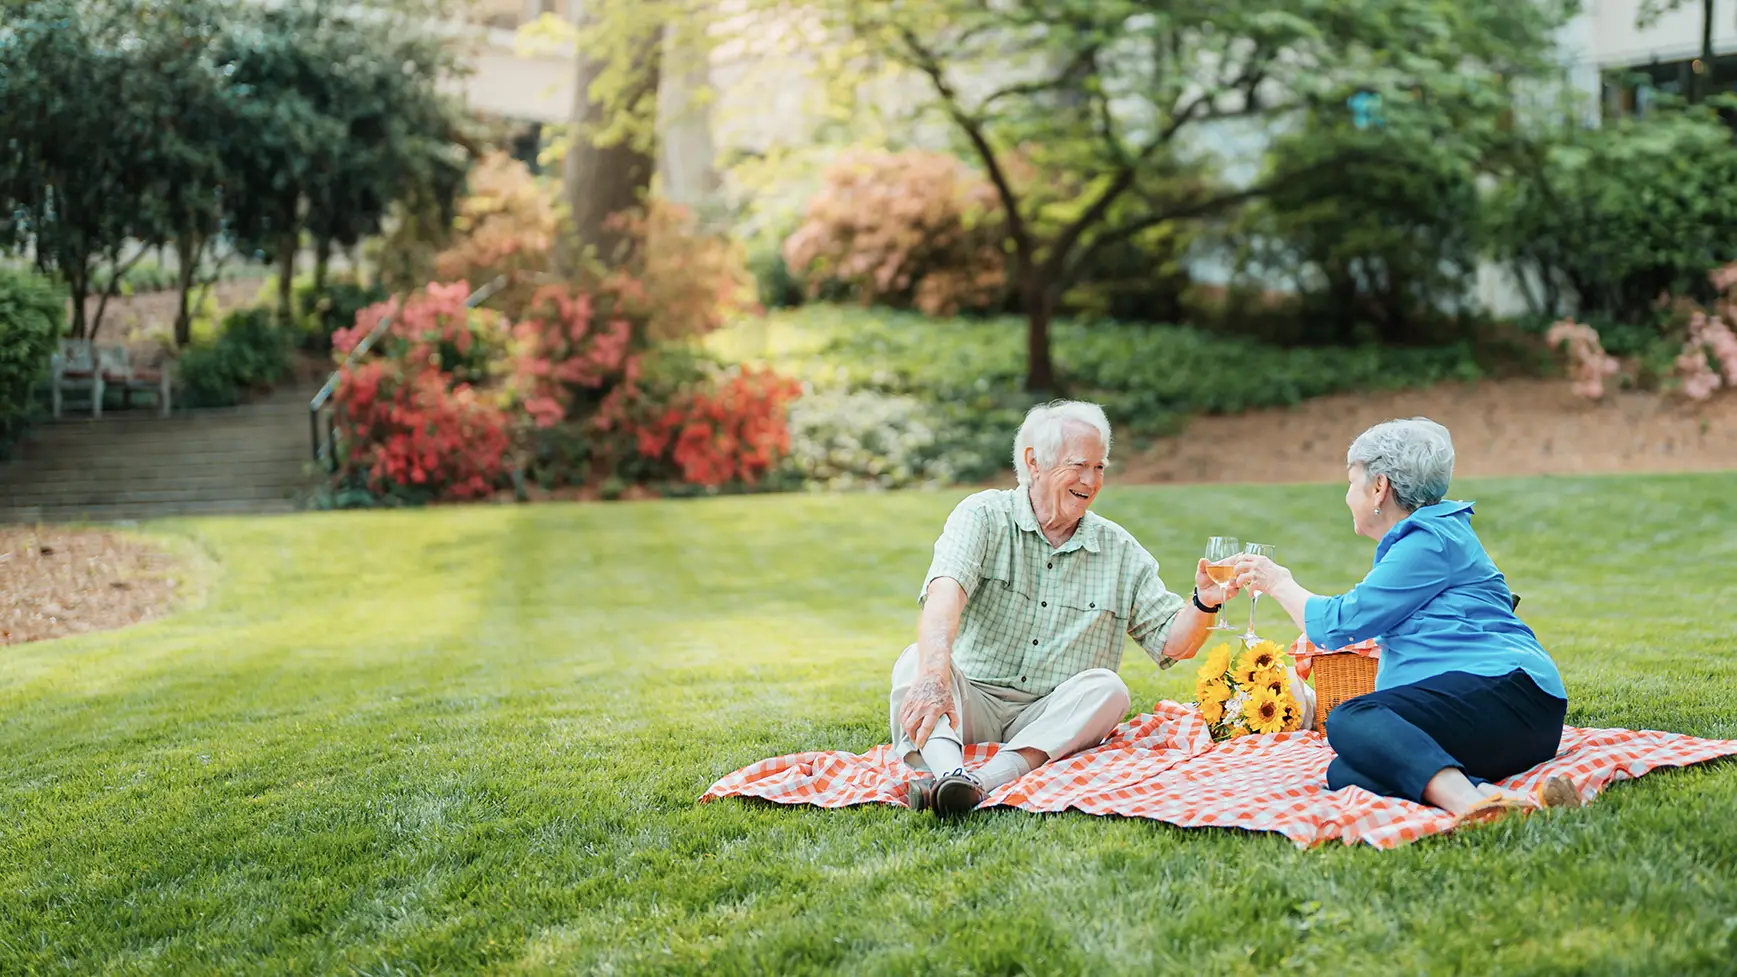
1220,551
1254,596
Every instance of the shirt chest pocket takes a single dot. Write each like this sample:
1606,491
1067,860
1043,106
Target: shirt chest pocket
1091,608
1014,576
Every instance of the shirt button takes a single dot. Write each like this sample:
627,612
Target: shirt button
1034,641
1022,678
1043,603
1091,605
1052,566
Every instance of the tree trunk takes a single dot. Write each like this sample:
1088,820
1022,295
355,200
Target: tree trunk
322,258
1039,303
78,284
187,257
601,181
286,270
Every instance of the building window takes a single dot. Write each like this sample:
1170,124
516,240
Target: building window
1630,92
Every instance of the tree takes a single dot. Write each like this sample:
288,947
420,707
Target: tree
1107,105
626,53
190,107
77,129
1379,249
337,115
612,153
1607,220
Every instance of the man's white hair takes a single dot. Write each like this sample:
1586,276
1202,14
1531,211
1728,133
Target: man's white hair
1045,429
1416,454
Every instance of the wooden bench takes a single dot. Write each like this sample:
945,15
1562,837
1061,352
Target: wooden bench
83,366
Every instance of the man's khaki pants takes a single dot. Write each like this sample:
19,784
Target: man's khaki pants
1076,716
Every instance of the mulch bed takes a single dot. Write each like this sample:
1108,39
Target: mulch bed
60,582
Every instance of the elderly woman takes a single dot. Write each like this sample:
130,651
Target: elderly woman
1464,694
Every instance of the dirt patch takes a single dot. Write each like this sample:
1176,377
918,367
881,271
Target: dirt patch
59,582
1500,428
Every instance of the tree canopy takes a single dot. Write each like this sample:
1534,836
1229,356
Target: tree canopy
1096,120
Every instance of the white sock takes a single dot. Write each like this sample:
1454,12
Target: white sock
943,752
1003,768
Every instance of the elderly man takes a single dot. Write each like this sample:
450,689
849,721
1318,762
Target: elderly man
1023,612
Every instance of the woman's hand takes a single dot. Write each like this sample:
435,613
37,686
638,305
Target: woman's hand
1260,573
1213,594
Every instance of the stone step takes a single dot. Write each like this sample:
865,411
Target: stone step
167,431
213,483
132,465
288,402
231,468
161,456
62,514
112,494
290,405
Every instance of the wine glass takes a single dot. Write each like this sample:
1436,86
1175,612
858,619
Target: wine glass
1254,596
1220,551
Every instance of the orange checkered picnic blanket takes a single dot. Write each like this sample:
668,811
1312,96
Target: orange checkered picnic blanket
1164,765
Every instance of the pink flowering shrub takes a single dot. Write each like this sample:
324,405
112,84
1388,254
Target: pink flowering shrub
1709,357
908,229
1588,364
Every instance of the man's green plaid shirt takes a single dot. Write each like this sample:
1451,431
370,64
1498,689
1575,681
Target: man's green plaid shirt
1036,615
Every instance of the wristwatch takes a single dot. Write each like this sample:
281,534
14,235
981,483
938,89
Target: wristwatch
1203,608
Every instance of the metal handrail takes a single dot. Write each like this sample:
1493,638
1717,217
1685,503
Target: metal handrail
328,452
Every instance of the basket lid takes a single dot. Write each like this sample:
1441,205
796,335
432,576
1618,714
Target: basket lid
1305,652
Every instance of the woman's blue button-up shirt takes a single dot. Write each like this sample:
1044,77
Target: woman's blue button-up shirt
1437,603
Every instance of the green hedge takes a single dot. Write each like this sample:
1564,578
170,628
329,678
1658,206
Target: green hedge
32,317
251,352
968,377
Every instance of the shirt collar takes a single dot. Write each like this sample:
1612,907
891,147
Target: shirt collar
1086,534
1441,510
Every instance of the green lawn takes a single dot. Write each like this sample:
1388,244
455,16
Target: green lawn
471,740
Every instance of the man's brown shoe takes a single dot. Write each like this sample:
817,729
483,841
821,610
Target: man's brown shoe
956,793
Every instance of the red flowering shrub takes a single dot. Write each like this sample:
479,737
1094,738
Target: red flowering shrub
414,415
563,351
434,327
730,428
904,229
452,399
409,432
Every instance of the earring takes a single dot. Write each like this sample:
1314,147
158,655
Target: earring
1378,510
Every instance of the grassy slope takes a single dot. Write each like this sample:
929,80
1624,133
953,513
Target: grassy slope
478,746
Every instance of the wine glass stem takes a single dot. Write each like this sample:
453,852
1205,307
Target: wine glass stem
1253,602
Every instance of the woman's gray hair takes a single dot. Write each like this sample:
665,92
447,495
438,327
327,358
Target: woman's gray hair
1416,454
1045,430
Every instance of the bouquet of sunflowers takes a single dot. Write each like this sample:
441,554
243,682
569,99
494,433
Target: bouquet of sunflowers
1247,692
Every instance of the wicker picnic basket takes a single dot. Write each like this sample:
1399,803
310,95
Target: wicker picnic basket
1341,676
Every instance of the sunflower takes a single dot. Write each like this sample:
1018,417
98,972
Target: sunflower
1214,690
1271,680
1264,654
1217,662
1293,716
1212,711
1243,674
1265,712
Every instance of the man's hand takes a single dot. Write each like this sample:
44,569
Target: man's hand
1213,594
928,699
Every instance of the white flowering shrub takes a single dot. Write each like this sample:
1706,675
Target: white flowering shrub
844,439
